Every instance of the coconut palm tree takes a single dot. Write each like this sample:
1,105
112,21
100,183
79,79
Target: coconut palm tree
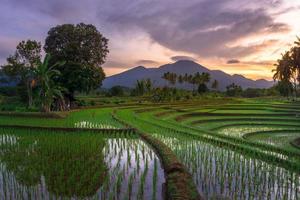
166,76
205,77
173,78
140,87
295,59
148,85
288,67
180,79
215,84
170,77
284,70
44,79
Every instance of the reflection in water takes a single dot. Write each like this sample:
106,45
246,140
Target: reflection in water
227,174
88,124
52,165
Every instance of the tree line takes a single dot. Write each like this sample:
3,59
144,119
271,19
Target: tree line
198,79
146,87
73,60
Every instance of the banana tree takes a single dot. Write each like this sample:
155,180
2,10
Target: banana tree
48,89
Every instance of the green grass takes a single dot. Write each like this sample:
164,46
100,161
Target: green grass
90,118
280,138
240,130
231,119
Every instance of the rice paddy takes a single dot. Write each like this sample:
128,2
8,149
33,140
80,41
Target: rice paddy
246,149
223,173
83,165
231,155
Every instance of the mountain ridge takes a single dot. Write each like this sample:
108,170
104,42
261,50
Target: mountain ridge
129,77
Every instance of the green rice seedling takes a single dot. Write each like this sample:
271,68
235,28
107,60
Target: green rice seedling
231,174
154,180
64,165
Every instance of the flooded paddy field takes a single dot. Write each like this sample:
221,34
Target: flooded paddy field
79,165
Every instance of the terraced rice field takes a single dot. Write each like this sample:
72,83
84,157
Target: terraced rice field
238,120
223,173
232,151
82,165
244,149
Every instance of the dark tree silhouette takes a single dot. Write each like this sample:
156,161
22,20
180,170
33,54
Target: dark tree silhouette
84,49
20,66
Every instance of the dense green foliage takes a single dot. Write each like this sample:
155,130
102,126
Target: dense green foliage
233,90
84,49
80,51
20,66
288,71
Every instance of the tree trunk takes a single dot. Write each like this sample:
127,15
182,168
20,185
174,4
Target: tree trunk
29,93
295,89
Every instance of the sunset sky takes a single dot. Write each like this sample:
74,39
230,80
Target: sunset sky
236,36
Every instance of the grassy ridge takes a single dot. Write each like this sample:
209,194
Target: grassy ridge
179,183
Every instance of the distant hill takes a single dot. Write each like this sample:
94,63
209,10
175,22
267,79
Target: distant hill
129,78
5,82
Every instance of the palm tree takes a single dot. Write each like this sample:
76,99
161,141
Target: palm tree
180,79
295,56
166,76
140,87
173,78
205,77
148,85
215,85
48,89
170,77
284,71
185,77
193,80
288,67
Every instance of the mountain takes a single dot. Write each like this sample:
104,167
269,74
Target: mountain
129,78
5,82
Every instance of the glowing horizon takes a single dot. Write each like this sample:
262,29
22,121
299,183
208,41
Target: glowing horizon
236,37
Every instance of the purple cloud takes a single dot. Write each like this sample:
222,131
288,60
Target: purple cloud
200,27
177,58
147,62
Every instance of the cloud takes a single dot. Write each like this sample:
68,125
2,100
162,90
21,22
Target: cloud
147,62
115,64
177,58
277,28
251,63
204,28
233,61
260,63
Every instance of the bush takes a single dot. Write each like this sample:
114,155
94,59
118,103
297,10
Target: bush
253,92
93,103
202,88
13,107
8,91
233,90
116,91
